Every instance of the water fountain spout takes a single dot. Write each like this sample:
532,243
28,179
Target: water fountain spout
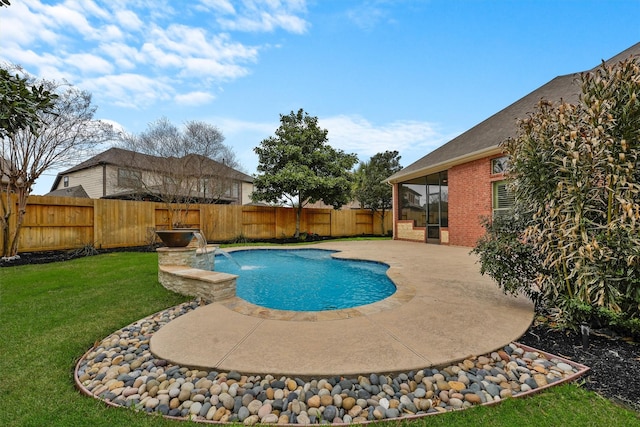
228,256
202,245
202,242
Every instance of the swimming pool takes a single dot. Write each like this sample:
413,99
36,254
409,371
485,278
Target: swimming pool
305,279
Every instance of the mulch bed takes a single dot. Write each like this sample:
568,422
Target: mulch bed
614,360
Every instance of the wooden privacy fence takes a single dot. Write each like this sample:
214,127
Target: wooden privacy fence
53,223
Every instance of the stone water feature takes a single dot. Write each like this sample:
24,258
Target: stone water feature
187,268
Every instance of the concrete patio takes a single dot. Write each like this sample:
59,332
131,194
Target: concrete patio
442,312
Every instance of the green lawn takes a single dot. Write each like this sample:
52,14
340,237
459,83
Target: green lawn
51,314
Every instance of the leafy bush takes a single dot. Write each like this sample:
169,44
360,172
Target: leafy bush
575,171
240,239
506,257
88,249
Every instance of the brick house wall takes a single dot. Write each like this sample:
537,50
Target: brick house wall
470,199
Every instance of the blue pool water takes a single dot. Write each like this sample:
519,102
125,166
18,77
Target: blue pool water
305,279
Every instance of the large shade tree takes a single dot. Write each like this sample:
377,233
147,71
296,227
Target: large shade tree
21,102
59,129
298,166
371,189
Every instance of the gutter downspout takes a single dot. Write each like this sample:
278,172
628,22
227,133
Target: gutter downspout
104,179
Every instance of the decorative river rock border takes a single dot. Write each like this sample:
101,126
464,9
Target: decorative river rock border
122,371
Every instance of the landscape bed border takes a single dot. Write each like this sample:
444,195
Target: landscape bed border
580,371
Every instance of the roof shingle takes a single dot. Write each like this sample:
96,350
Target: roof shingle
484,138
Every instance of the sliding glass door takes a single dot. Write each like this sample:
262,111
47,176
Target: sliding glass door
426,201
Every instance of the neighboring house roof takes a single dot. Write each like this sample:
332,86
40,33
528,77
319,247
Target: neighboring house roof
130,159
76,191
155,194
353,204
483,139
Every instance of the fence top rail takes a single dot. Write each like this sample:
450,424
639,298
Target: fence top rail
59,201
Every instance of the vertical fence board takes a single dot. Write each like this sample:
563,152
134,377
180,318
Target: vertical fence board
221,222
285,223
258,222
182,216
121,223
342,223
54,223
364,222
318,221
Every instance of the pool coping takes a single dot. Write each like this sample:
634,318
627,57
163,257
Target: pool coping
505,321
401,295
440,310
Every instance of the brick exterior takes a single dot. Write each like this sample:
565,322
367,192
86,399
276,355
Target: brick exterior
470,199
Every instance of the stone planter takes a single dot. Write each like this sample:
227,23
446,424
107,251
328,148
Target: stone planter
189,271
176,238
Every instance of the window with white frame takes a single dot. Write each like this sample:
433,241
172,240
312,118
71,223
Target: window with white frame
503,198
499,165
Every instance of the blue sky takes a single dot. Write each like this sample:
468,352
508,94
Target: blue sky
404,75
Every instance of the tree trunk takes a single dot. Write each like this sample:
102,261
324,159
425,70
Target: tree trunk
22,209
382,230
6,215
298,214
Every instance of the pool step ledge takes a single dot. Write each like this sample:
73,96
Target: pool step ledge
189,271
208,285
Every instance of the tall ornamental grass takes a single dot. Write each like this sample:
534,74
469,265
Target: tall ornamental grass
575,172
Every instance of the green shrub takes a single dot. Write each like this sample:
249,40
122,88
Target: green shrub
506,257
575,172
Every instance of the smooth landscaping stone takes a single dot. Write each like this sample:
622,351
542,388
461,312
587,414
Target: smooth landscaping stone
123,370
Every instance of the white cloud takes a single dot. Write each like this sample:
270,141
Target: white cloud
89,63
221,6
117,127
129,20
160,58
189,50
354,134
235,126
30,59
194,98
266,22
188,42
22,26
111,32
130,90
366,17
61,16
268,16
125,56
118,42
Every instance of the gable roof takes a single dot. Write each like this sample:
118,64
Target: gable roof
130,159
483,139
77,191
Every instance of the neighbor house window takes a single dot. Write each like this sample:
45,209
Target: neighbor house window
503,199
129,178
233,190
499,165
65,181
